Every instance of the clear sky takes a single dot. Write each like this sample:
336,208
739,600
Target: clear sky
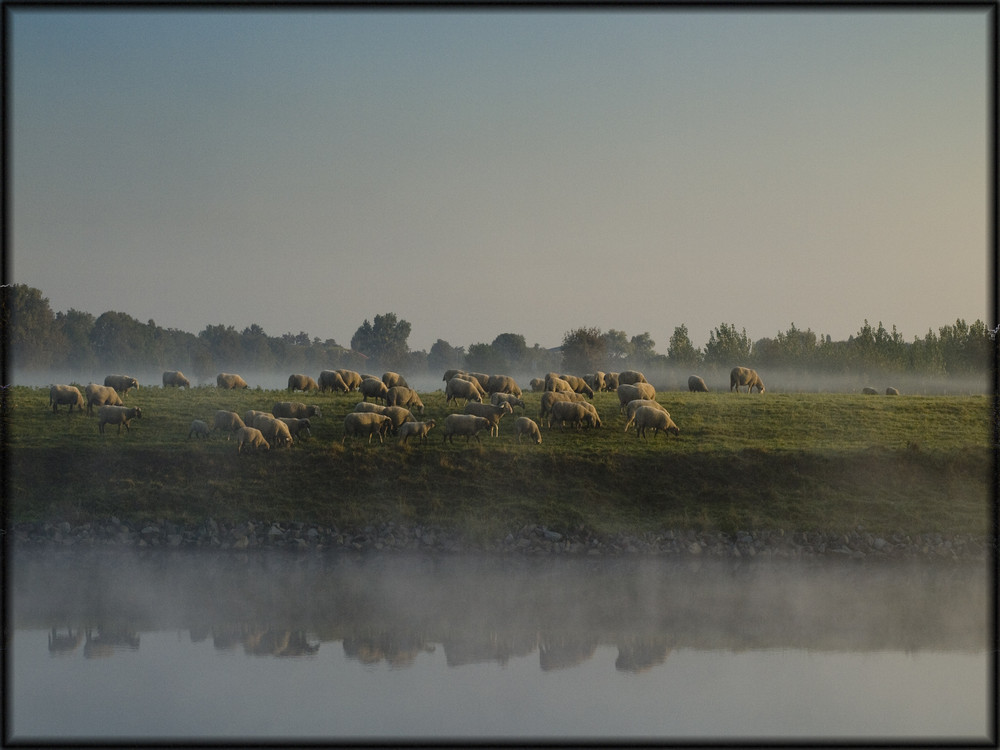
525,172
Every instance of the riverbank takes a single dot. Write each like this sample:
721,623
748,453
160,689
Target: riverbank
529,540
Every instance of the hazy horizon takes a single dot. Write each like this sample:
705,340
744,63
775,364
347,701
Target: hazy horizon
486,172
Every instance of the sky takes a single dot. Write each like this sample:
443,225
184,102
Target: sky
481,172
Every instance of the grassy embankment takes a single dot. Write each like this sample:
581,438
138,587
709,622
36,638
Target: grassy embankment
823,462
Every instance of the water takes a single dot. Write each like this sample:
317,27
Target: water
233,647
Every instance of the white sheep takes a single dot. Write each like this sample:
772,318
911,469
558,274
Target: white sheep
506,398
397,416
100,395
392,379
550,397
632,406
65,394
230,381
273,429
631,377
199,428
295,409
367,406
352,379
744,376
418,430
491,412
650,417
374,388
252,439
527,426
298,382
890,391
869,391
298,426
330,380
578,384
121,383
577,413
697,385
359,424
118,415
401,395
611,381
632,391
227,420
250,414
459,388
175,378
503,384
558,384
537,384
464,424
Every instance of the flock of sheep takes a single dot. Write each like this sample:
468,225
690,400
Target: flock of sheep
487,399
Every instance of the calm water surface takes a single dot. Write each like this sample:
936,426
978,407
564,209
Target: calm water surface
167,646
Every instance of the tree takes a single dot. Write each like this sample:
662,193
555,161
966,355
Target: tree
120,341
726,347
384,340
485,358
443,356
583,350
224,346
75,327
642,349
511,349
617,349
681,351
29,323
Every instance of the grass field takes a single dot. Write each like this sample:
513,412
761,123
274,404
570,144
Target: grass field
806,462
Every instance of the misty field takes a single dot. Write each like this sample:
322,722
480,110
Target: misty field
800,461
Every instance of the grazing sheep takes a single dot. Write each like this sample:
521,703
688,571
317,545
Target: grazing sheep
392,379
632,391
537,384
229,381
506,398
175,378
697,385
449,374
503,384
250,414
464,424
369,407
595,380
631,377
459,388
481,378
273,429
330,380
527,426
65,394
418,430
869,391
359,424
119,415
199,428
374,388
398,415
491,413
351,378
297,426
295,409
227,420
744,376
469,378
650,417
251,439
579,385
577,413
890,391
632,406
301,383
99,395
611,381
402,395
550,397
557,384
121,383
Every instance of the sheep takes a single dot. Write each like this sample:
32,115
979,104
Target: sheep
741,376
227,420
295,409
632,391
632,406
252,439
697,385
175,378
273,429
119,415
418,430
449,374
470,378
537,384
490,412
869,391
527,426
503,384
611,381
577,413
595,380
550,397
330,380
375,388
352,379
890,391
458,388
657,419
360,424
65,394
464,424
498,398
297,426
398,415
229,381
364,406
199,428
401,395
579,385
301,383
557,384
121,383
250,414
481,378
393,379
631,377
99,395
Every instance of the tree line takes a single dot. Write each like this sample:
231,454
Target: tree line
38,339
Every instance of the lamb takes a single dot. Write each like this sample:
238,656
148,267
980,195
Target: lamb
297,426
537,384
650,417
230,381
464,424
527,426
458,388
890,391
579,385
301,383
99,395
631,377
550,397
351,378
227,420
359,424
375,388
418,430
577,413
199,428
119,415
498,398
252,439
630,392
175,378
295,409
632,406
398,415
121,383
490,412
869,391
273,429
503,384
365,406
65,394
697,385
392,379
741,376
401,395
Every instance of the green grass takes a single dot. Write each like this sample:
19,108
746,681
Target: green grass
827,462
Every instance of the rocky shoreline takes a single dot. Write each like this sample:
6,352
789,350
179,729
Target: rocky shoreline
532,540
